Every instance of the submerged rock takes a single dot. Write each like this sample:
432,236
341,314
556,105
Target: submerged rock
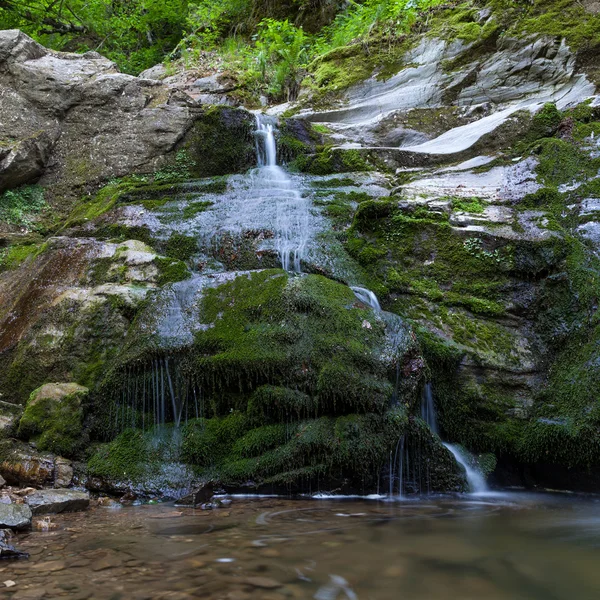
15,516
8,551
43,502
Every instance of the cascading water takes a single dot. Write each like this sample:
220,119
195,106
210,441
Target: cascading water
366,297
292,221
475,479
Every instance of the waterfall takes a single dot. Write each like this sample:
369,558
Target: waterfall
475,479
477,484
366,297
292,231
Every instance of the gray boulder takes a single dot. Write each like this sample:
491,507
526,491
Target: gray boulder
15,516
44,502
74,119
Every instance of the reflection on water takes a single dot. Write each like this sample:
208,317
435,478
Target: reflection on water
497,547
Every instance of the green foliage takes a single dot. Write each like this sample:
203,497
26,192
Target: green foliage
281,53
180,169
136,34
360,21
18,206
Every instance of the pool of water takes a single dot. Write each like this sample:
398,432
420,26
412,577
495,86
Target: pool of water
503,547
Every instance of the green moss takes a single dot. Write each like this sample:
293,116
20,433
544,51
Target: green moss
14,256
471,205
181,247
559,162
171,271
53,416
331,160
546,121
333,182
220,142
195,208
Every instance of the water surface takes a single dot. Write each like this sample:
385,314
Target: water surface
506,547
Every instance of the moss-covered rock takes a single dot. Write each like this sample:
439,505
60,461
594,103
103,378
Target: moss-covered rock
53,416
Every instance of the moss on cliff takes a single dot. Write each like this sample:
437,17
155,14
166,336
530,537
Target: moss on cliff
53,417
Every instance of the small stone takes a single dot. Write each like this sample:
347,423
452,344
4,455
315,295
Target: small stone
63,472
263,582
106,563
24,491
9,583
50,566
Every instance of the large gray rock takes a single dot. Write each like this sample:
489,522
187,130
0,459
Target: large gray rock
44,502
74,119
15,516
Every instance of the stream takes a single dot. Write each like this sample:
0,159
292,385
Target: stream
510,546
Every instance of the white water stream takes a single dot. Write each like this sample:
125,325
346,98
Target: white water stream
270,181
475,479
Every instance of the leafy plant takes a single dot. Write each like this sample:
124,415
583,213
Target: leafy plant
19,205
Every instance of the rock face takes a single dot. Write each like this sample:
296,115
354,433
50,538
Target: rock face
15,516
73,120
467,205
44,502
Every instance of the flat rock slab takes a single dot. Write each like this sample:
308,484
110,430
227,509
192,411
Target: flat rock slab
44,502
15,516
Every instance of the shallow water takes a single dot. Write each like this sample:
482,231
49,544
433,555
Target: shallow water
510,546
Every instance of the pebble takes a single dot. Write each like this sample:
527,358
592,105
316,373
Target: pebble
30,594
262,582
50,566
9,583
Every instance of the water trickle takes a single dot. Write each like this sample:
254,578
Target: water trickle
366,297
292,231
428,408
475,479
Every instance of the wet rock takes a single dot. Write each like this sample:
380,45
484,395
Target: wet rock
15,516
22,465
7,551
24,492
200,495
57,501
63,472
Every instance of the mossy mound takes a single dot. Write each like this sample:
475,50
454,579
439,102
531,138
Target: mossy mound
300,385
53,417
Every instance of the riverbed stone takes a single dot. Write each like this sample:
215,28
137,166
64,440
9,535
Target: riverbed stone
15,516
57,501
